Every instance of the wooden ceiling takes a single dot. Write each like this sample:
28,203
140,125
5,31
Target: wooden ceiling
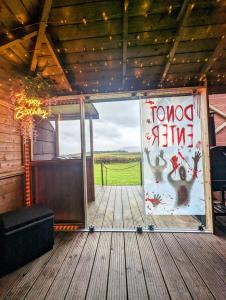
114,45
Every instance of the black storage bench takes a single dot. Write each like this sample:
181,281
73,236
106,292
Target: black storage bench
25,234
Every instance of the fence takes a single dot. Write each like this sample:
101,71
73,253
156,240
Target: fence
105,170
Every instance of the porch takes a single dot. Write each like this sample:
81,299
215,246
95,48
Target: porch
122,207
117,265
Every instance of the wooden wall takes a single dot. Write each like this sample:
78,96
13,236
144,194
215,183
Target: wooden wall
44,147
11,169
58,184
219,102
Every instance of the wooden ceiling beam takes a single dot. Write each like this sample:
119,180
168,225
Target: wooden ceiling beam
17,41
125,38
186,10
41,33
206,67
182,10
57,59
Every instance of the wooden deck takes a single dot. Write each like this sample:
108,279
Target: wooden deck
123,207
124,266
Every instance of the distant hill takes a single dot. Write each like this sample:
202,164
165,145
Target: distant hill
131,149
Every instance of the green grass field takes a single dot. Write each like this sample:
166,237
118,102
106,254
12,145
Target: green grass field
122,168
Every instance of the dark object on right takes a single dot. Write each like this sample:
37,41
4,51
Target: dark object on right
218,176
218,168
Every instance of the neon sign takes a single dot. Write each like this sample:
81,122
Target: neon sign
29,107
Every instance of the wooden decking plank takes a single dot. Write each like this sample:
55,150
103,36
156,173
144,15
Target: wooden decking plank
137,194
193,280
94,206
214,282
80,280
117,288
61,282
216,242
154,280
109,215
99,277
97,190
172,276
118,218
136,285
99,217
79,283
127,215
218,263
138,219
48,274
13,280
180,222
100,213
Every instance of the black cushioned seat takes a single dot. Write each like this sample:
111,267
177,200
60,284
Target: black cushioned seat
25,234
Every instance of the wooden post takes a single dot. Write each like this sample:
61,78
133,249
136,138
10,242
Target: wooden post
91,153
91,136
206,156
83,154
57,125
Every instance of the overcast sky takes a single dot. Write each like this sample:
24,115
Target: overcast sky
117,128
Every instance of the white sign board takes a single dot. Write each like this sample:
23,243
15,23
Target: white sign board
172,156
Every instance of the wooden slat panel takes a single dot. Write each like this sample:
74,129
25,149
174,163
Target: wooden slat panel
80,280
76,13
99,278
217,243
128,221
154,280
93,206
118,217
194,282
66,198
209,275
135,277
44,145
109,215
210,255
51,270
77,31
117,273
11,189
172,277
11,193
62,281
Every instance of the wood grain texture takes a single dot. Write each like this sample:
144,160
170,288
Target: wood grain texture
214,282
90,32
123,266
117,284
123,207
11,188
44,146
